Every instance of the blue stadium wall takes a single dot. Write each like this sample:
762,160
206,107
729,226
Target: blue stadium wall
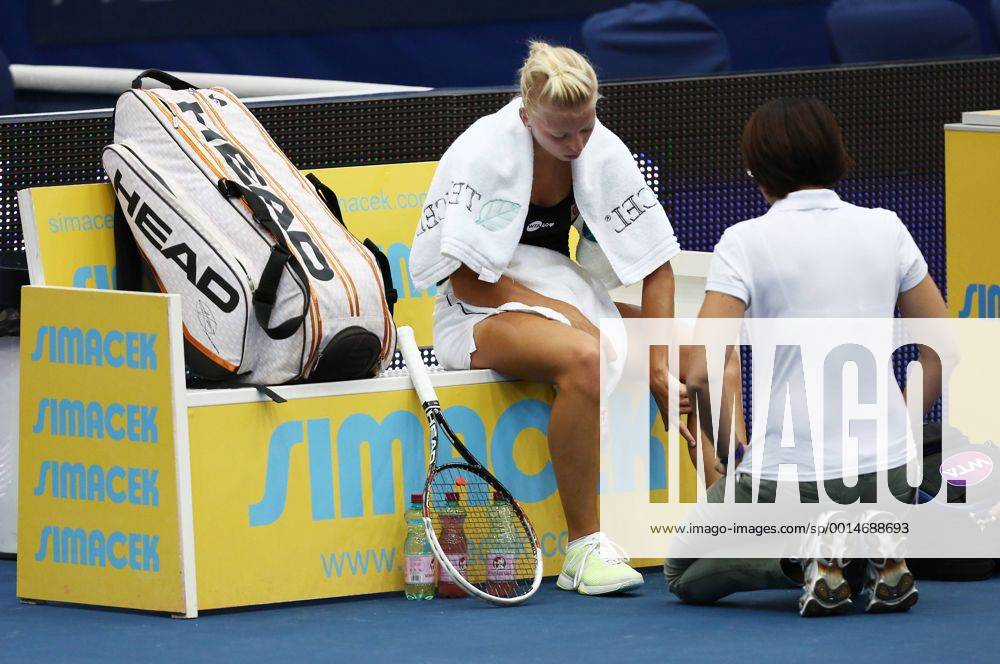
438,43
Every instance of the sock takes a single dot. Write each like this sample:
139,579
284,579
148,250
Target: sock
586,539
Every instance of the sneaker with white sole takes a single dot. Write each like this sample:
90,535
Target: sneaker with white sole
888,581
825,591
890,586
595,565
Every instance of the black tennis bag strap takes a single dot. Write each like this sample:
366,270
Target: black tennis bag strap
169,80
281,256
328,196
391,296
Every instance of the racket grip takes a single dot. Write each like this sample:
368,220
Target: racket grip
415,364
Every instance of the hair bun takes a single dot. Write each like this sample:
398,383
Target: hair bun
557,75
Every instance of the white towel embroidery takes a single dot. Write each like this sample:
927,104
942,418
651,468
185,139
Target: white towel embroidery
478,201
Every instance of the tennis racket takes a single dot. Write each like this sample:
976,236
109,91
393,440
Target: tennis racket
502,562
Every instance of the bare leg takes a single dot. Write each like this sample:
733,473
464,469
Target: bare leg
732,382
535,348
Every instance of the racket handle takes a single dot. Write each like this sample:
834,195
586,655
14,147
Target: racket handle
415,364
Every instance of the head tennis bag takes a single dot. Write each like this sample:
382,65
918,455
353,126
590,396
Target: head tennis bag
274,287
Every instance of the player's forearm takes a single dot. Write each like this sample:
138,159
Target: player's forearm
658,302
697,387
930,366
732,400
658,293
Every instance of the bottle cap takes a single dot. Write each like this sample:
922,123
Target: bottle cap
451,496
417,498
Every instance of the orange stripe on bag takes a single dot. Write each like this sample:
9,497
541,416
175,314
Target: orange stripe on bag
231,368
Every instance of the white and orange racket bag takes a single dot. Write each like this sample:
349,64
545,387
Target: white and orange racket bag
273,286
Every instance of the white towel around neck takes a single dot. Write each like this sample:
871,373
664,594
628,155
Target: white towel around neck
478,201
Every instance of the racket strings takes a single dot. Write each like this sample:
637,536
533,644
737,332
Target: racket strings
499,551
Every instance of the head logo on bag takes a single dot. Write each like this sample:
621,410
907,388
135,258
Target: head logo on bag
210,283
249,176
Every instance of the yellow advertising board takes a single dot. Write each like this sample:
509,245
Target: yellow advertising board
104,499
314,506
137,493
69,230
69,235
972,199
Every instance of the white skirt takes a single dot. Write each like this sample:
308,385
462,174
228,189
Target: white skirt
542,270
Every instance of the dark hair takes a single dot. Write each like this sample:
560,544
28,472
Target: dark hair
789,144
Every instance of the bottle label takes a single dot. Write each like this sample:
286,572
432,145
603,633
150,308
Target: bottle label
500,567
419,570
459,562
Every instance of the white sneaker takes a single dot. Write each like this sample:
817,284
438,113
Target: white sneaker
825,591
889,585
595,565
888,582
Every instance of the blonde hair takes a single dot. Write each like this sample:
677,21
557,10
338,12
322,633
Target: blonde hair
558,76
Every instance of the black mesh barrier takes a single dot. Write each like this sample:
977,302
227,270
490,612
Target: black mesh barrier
684,133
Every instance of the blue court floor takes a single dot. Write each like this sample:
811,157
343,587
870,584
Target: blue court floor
953,621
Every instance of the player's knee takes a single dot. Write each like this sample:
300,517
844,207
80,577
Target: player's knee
582,375
684,590
683,586
675,580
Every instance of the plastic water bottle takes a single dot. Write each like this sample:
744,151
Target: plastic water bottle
501,551
419,560
454,545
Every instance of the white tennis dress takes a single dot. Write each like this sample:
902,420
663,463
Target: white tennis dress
544,271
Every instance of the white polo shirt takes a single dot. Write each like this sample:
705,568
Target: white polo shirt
815,256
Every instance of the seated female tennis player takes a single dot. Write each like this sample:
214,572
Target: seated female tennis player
811,255
495,238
